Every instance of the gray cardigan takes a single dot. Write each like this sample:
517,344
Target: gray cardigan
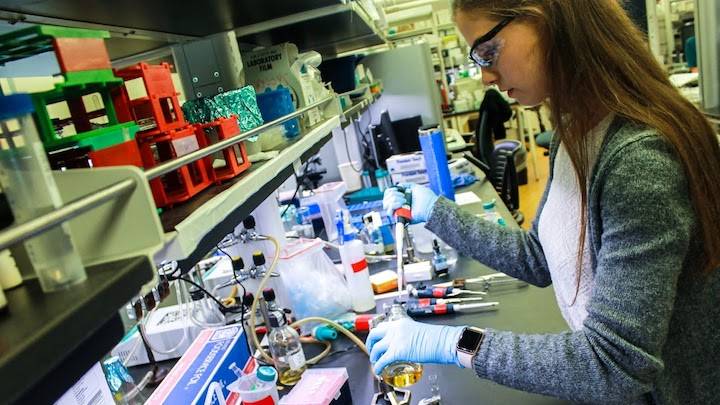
652,335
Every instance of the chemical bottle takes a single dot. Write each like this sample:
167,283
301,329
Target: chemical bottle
266,379
304,227
366,181
383,179
30,188
490,213
439,260
399,374
352,254
286,350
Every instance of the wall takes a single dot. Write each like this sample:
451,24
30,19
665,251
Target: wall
409,90
408,78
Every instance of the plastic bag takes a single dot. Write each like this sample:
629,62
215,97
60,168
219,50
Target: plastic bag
315,286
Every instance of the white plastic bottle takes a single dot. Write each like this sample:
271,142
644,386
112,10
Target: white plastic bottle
9,274
357,273
266,380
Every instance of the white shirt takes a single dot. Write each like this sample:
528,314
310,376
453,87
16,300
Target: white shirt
559,232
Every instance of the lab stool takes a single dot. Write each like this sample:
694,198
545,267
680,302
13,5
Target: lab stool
229,162
183,183
159,108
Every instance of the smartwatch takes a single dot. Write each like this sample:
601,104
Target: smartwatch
469,345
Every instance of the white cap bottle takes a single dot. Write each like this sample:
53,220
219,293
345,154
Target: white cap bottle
10,276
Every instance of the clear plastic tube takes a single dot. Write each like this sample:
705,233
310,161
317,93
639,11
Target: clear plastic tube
31,191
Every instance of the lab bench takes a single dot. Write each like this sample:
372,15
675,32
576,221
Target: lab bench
522,309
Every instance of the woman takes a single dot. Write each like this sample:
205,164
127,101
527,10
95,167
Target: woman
627,231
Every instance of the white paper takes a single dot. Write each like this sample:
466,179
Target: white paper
91,389
466,198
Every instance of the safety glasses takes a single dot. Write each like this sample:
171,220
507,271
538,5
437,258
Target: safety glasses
486,49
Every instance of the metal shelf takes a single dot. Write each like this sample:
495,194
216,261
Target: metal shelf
330,31
357,109
48,341
195,228
328,26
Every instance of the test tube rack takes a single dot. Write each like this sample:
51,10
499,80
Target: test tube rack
183,183
229,162
165,134
159,108
84,70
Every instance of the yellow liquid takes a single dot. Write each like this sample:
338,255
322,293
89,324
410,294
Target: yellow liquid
402,374
291,377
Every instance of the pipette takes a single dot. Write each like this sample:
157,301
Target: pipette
424,302
483,282
441,292
403,216
445,309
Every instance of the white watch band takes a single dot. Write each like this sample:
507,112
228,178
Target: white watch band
466,359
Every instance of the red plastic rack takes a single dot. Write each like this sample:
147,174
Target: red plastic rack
182,184
122,154
160,107
229,162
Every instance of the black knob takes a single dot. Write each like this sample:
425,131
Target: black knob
249,222
269,294
238,263
248,299
258,258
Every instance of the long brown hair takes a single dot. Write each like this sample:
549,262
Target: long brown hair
600,62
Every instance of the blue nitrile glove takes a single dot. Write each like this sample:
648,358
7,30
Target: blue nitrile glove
463,180
408,340
423,200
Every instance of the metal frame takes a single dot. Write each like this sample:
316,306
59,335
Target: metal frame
175,164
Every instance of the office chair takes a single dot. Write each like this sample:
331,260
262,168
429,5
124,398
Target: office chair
498,164
543,138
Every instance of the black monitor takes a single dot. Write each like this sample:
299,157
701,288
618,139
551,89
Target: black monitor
406,133
384,140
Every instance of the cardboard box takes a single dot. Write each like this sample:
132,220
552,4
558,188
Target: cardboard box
406,162
407,168
419,177
165,329
206,361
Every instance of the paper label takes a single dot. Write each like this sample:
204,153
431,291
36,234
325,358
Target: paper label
296,361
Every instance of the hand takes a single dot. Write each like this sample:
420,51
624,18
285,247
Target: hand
407,340
423,200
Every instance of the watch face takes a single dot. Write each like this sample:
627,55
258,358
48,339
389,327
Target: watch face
470,339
